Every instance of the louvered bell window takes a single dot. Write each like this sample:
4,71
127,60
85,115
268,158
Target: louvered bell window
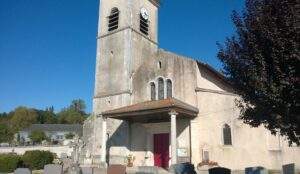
113,19
144,25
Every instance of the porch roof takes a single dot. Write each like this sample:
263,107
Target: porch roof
153,111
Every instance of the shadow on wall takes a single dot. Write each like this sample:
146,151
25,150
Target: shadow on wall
122,139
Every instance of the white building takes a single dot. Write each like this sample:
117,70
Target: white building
164,108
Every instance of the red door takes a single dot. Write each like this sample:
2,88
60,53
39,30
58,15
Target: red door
161,150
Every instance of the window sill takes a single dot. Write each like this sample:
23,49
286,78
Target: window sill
227,146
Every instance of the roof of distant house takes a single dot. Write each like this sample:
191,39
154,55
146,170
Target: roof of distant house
55,128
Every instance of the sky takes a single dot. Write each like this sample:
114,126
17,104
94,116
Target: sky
48,47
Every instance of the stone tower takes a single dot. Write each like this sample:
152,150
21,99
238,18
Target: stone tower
127,35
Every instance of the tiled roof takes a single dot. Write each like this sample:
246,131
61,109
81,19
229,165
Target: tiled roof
55,128
153,105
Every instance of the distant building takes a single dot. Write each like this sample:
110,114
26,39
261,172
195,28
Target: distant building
55,132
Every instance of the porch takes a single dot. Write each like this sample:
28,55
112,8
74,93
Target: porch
154,126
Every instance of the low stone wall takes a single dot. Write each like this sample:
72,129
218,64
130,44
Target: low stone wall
59,150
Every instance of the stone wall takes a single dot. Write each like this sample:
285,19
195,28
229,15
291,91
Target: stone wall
59,150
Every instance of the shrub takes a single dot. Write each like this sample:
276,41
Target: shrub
37,136
9,162
69,136
36,159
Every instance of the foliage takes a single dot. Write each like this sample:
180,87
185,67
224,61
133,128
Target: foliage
23,117
78,105
9,162
37,159
70,136
37,136
46,117
70,116
262,63
6,135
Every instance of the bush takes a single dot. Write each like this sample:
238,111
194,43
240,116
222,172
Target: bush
37,136
9,162
36,159
69,136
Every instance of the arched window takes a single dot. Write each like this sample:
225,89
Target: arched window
153,91
161,89
113,19
169,89
144,24
227,135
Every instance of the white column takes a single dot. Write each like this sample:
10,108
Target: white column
173,115
104,135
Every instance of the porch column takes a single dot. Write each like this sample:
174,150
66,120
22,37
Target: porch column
104,134
173,115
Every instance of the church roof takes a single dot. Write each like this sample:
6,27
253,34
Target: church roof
151,108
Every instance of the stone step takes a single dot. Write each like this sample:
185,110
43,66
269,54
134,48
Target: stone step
146,170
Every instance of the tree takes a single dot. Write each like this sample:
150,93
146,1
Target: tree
70,116
78,105
70,135
46,117
37,136
22,118
262,63
6,134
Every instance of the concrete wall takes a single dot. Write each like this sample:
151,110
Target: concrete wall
58,150
250,146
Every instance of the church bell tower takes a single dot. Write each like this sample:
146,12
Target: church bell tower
127,37
127,34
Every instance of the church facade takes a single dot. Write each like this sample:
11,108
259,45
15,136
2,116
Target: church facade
159,108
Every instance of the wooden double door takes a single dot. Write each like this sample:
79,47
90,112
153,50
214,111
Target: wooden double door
161,150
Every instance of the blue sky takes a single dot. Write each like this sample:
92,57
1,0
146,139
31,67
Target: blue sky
48,47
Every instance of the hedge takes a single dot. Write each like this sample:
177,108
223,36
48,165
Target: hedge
37,159
9,162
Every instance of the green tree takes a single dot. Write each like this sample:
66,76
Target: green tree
6,135
46,117
78,105
37,136
262,62
70,136
70,116
22,118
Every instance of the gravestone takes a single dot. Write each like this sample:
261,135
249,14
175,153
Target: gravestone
74,169
219,170
183,168
99,170
255,170
22,171
116,169
86,170
289,169
53,168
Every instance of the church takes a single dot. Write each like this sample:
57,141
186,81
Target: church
152,107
